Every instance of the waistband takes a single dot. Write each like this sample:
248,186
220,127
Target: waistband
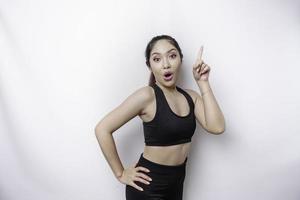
160,167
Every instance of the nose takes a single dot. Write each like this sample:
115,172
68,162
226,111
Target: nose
166,63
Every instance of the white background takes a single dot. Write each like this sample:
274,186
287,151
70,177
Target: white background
65,64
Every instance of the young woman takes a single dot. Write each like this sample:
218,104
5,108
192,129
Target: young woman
169,115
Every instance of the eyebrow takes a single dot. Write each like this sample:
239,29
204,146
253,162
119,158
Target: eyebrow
167,51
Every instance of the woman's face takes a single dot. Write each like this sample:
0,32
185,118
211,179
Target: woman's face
164,60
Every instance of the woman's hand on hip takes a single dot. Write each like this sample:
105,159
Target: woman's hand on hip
132,174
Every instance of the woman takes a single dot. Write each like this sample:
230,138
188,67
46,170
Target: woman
169,115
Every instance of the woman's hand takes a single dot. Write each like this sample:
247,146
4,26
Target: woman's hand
200,69
132,174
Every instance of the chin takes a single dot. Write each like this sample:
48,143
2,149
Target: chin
169,83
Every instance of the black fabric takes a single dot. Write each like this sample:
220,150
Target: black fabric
167,182
168,128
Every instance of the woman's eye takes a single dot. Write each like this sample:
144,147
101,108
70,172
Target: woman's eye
173,55
156,59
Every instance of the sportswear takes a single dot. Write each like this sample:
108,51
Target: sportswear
168,128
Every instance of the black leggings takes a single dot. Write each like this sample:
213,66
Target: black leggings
167,182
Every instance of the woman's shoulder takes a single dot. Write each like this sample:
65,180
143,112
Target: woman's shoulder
144,93
147,91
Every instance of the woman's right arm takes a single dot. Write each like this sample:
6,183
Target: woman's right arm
132,106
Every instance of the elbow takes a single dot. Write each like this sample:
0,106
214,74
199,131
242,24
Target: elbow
97,130
216,130
100,130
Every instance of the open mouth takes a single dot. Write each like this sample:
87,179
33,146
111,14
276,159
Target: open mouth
168,76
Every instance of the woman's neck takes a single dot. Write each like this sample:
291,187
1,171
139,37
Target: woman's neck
170,90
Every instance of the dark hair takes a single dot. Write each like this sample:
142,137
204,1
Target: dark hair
149,48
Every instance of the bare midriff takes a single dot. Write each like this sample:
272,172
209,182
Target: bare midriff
167,155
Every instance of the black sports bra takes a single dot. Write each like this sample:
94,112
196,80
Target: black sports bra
168,128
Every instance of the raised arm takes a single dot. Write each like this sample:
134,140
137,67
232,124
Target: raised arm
207,110
128,109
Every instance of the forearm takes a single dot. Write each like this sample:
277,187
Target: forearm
109,150
213,115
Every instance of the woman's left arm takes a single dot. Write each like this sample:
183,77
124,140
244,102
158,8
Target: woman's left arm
207,110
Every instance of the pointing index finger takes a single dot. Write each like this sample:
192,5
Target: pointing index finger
199,56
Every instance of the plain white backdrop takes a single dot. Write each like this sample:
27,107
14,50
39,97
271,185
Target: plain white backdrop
66,64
